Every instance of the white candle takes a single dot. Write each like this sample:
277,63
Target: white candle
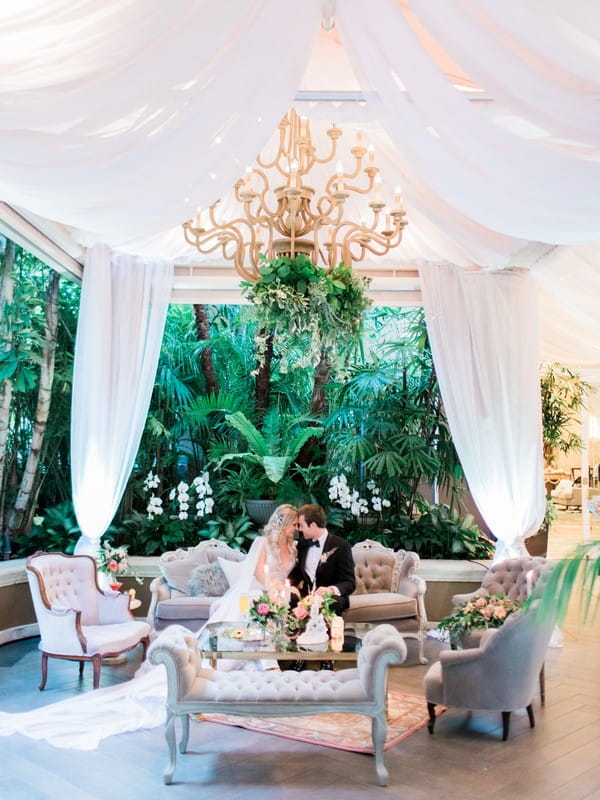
340,177
529,582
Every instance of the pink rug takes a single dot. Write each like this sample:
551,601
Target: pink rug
407,713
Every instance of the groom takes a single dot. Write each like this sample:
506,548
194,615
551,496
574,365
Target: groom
325,561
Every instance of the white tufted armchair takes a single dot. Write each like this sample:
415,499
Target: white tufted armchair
388,591
77,621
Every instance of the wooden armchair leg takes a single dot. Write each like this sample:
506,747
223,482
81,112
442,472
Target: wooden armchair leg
431,711
530,715
505,725
97,663
543,685
44,671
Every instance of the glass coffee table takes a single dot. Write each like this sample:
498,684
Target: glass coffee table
226,640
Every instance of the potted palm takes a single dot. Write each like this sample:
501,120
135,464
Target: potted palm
273,450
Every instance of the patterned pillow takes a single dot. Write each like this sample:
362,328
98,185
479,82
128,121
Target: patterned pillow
208,580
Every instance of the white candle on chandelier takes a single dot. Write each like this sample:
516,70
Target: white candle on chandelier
303,126
198,221
397,199
387,222
340,177
294,173
247,183
359,138
371,150
378,189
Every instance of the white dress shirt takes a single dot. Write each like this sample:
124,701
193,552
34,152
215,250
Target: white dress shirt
313,557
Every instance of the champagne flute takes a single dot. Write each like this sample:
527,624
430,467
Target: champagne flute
244,606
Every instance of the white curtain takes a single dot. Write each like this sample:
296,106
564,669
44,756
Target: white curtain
483,332
122,314
121,117
530,185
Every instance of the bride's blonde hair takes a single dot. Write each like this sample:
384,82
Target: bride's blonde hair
283,516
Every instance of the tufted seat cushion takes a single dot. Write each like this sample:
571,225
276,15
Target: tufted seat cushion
277,687
110,638
380,606
178,608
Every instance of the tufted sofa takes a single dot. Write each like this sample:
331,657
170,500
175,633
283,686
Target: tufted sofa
194,689
388,591
171,601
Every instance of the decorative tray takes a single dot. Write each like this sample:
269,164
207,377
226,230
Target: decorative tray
244,634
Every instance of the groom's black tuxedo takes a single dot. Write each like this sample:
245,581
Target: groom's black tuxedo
335,568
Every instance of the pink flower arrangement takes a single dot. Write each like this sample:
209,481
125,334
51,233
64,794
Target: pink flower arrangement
266,608
480,612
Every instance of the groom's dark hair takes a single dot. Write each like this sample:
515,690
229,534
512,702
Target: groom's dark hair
313,513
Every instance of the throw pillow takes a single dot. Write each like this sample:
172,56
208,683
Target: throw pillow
208,580
232,569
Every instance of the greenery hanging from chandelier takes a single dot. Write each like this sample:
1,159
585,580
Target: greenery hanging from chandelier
307,309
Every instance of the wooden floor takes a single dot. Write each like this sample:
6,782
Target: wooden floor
464,760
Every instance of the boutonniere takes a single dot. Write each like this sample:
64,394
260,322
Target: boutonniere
325,557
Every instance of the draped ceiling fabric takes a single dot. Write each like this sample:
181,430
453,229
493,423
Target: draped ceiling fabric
118,120
491,393
124,305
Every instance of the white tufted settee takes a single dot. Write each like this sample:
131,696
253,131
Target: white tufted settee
388,591
194,689
172,601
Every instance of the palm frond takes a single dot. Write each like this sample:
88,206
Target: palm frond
580,569
250,432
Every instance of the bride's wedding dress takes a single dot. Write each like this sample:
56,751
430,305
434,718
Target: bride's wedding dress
82,722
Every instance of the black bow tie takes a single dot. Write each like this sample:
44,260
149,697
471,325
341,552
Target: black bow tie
314,543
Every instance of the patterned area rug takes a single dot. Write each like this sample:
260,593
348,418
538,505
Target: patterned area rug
407,713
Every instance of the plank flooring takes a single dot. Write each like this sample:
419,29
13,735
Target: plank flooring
464,759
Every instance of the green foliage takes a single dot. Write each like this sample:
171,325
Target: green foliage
298,300
387,418
578,571
151,537
238,532
441,532
275,447
563,395
56,532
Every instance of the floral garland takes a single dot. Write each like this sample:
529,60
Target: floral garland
299,615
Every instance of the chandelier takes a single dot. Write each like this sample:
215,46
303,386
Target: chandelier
280,214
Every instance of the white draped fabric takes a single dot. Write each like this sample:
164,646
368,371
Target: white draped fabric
506,182
482,328
121,117
121,322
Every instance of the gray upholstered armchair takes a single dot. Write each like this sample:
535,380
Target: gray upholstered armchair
508,577
77,620
499,675
388,591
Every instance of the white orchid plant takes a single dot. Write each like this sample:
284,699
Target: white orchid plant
350,499
188,500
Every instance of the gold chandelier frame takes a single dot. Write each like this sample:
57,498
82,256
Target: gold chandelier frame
299,220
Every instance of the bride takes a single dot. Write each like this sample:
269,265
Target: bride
82,722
